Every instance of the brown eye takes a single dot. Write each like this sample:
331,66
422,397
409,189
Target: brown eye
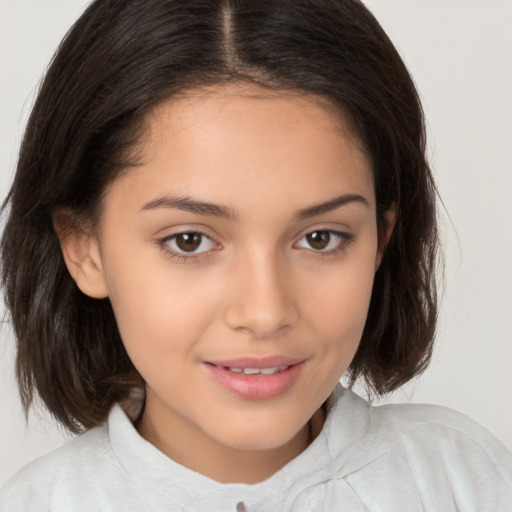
325,241
189,243
319,239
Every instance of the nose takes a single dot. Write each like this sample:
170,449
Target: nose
261,301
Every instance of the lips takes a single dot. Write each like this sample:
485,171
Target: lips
256,378
256,371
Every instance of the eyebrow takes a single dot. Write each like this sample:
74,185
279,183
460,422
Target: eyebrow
215,210
189,205
330,205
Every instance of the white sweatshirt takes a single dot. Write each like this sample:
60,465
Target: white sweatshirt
389,458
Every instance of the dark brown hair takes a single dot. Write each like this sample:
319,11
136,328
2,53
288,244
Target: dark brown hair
121,59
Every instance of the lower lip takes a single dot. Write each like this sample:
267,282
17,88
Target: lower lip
255,387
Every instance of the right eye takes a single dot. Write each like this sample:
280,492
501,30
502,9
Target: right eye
191,242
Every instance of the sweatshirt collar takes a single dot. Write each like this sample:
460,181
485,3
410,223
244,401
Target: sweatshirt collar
162,481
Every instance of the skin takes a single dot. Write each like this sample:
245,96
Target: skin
257,288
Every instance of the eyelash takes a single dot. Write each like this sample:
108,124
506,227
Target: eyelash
345,240
183,257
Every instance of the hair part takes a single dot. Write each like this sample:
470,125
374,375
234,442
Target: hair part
120,60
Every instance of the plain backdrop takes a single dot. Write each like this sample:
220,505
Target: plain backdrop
460,54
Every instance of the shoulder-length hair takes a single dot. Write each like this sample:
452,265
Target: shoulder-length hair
124,57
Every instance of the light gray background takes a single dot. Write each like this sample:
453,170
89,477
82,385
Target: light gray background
460,53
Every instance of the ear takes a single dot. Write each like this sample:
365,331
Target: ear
384,234
81,253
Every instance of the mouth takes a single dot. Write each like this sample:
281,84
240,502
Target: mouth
256,379
255,371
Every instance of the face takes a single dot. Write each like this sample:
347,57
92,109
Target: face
239,260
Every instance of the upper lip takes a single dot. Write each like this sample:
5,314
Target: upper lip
257,362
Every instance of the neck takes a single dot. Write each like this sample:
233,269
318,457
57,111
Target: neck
218,461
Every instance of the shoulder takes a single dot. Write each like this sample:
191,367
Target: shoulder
447,451
81,475
436,425
440,456
37,484
408,424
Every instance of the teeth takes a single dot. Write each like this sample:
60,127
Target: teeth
251,371
270,371
256,371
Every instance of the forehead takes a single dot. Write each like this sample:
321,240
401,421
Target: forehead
245,104
239,141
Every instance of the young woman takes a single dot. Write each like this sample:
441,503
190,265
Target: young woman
220,208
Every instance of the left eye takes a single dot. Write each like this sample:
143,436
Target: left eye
192,242
323,240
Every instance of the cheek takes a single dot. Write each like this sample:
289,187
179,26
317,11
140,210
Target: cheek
340,308
164,313
158,313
